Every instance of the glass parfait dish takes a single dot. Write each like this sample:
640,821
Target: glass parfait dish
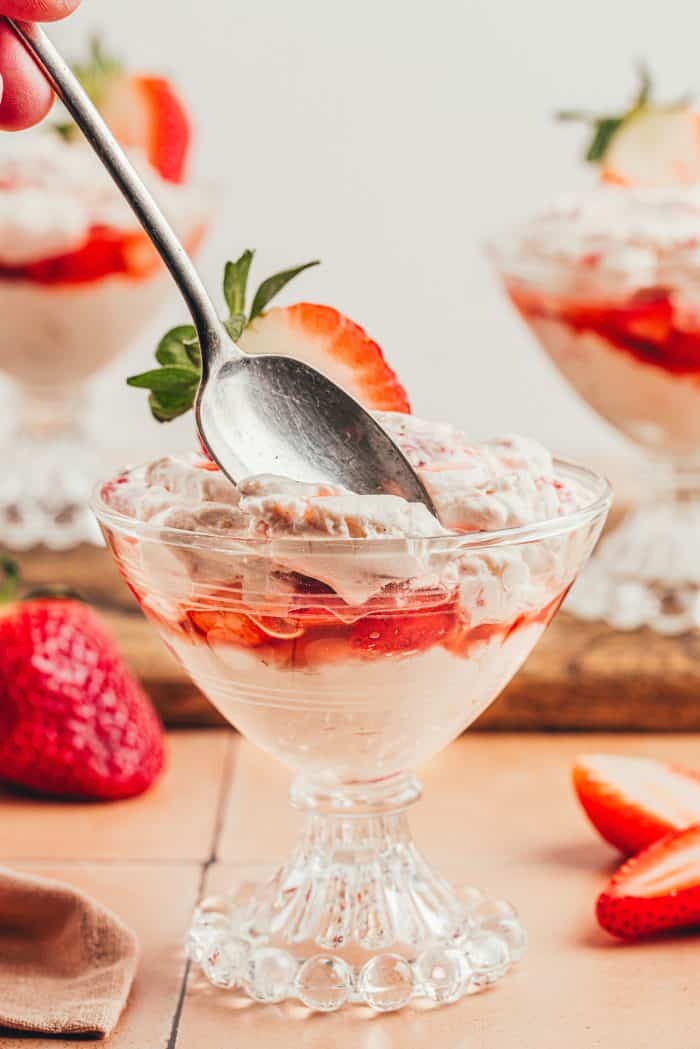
608,283
352,693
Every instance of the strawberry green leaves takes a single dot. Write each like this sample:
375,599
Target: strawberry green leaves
179,346
236,282
173,386
9,579
272,286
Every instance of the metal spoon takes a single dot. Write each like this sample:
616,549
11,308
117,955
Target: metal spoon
255,414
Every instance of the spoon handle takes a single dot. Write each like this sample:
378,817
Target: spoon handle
86,116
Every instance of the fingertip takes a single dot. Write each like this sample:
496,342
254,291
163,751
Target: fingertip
39,10
26,95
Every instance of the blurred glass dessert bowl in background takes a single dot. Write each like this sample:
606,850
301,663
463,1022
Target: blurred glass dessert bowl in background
78,281
607,280
353,637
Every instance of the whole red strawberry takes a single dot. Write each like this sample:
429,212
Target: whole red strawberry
73,720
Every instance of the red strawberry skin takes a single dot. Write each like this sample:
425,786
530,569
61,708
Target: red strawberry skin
632,802
169,131
147,112
73,720
106,253
656,891
645,326
378,635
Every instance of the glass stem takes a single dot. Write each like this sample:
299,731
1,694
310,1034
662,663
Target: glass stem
47,412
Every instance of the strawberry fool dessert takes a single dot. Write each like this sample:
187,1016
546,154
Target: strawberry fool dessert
323,593
607,280
352,636
78,281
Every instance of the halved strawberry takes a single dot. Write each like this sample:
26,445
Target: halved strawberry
655,891
322,337
142,110
632,802
318,335
146,112
655,147
408,631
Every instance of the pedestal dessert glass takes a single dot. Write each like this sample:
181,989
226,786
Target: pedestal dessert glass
56,335
620,319
352,696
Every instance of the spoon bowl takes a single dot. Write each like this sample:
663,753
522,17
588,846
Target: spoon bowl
273,414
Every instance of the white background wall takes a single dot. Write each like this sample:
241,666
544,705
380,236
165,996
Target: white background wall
388,138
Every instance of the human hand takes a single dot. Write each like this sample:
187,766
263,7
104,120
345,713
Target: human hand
25,94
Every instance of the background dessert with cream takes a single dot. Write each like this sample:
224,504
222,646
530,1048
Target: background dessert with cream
607,280
78,280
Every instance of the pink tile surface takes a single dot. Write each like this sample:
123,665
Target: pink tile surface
175,820
498,812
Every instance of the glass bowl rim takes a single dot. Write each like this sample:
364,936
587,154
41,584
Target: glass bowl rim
122,523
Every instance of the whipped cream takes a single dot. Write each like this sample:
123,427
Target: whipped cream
53,192
497,484
627,237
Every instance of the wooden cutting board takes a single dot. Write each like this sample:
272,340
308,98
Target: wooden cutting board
580,676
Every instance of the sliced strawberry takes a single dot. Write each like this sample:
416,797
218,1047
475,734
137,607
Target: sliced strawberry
146,112
318,335
105,253
655,891
232,628
647,316
333,344
632,802
415,631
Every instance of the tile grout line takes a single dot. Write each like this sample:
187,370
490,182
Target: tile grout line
226,777
226,786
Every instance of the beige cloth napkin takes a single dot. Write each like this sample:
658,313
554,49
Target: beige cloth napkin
66,962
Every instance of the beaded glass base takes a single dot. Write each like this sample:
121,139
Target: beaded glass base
50,468
646,572
357,915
